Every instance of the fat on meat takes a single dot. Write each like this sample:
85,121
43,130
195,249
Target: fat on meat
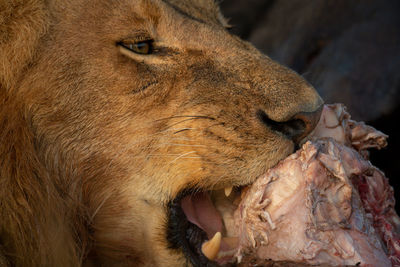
324,204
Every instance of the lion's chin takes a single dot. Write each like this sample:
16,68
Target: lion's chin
201,224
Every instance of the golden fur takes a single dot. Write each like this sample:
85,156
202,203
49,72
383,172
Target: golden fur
95,142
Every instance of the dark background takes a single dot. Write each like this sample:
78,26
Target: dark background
349,50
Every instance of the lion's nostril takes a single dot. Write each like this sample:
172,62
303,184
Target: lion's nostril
290,128
297,127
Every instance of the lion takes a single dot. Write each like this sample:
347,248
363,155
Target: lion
113,112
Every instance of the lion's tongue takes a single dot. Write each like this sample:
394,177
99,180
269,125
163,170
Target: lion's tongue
200,211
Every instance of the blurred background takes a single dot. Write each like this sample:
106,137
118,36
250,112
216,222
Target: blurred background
349,50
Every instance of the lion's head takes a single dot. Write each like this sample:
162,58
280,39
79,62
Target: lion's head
113,112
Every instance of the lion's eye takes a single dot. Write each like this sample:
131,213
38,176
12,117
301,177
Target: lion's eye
143,47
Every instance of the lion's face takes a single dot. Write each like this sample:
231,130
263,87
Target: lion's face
144,102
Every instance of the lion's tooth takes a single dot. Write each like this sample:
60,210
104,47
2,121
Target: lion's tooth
228,191
211,248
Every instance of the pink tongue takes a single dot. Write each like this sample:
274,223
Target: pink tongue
200,211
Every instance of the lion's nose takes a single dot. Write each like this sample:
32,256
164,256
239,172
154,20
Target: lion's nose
295,128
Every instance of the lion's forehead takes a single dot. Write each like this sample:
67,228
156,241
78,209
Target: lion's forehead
199,9
117,19
202,10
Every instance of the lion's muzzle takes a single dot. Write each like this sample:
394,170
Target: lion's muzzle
295,128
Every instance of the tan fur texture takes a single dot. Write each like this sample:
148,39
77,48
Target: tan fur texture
95,140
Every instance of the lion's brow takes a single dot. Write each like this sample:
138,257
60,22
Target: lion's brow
180,11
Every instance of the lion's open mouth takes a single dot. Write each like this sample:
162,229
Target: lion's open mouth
201,224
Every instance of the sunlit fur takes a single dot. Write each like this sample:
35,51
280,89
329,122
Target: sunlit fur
94,142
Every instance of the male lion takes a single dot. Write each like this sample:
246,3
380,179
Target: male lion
113,111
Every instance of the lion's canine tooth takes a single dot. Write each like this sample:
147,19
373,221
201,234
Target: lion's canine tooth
211,248
228,191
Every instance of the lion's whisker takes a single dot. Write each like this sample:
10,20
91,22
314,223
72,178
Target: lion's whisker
165,156
183,155
182,130
174,144
99,206
186,116
132,144
217,181
179,122
192,117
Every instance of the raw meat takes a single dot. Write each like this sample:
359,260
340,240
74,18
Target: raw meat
324,204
